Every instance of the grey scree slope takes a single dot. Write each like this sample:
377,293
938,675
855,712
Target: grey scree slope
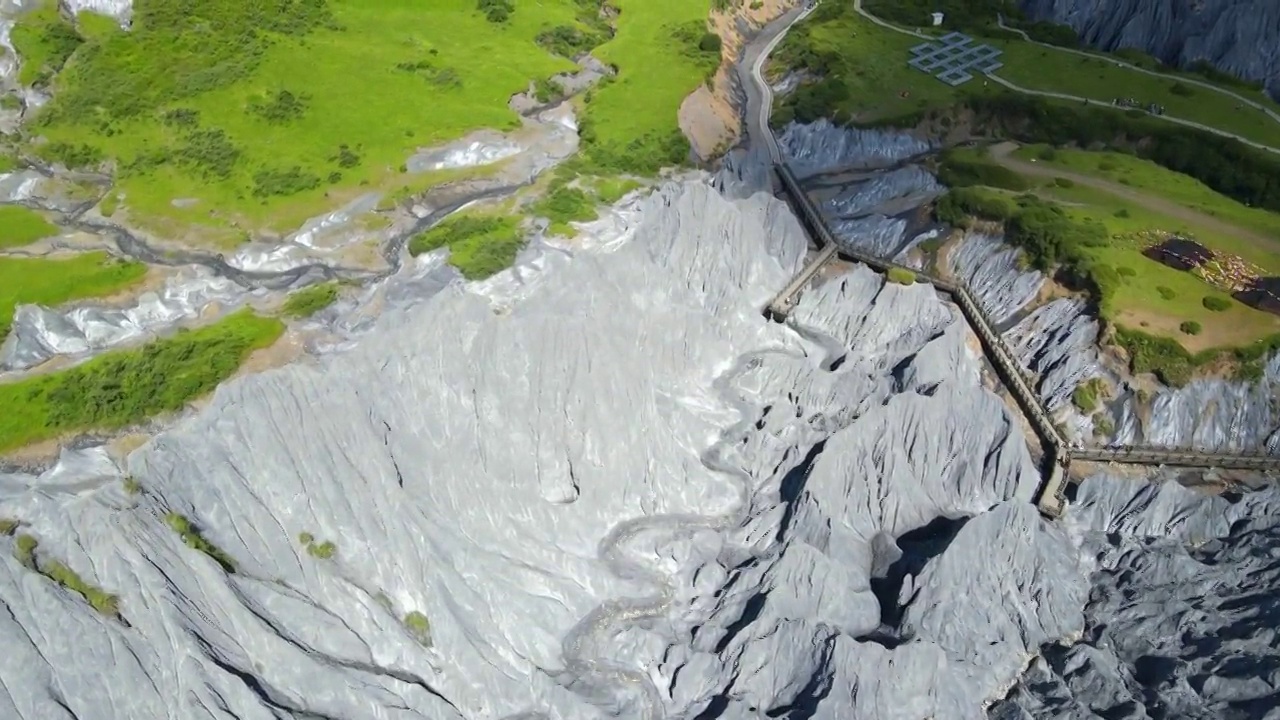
625,495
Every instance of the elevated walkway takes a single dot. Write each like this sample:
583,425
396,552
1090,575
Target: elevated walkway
1050,497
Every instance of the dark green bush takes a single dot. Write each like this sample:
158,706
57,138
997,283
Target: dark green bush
1215,303
496,11
1166,292
1181,89
1125,271
267,183
958,205
710,43
193,539
1164,357
1190,327
282,108
569,41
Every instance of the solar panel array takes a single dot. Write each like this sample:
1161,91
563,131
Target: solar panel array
953,56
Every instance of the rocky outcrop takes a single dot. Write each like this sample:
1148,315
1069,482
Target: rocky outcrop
1181,619
1241,37
823,146
994,274
1058,343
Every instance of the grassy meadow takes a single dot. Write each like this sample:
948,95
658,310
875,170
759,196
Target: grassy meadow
21,226
265,129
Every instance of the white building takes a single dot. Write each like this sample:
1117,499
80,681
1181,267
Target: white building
937,19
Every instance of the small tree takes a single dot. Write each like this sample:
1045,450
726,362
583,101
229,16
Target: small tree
710,43
1190,327
1215,303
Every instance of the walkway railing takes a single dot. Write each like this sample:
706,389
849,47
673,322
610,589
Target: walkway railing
1057,453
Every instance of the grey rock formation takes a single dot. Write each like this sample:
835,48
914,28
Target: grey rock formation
909,186
1211,414
990,269
875,234
822,146
1181,621
1241,37
1058,343
597,496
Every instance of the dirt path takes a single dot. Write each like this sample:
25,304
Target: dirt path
1002,154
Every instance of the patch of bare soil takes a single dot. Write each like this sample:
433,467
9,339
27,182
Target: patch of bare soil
709,116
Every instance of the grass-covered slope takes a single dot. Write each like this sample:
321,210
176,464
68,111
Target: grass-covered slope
128,386
21,226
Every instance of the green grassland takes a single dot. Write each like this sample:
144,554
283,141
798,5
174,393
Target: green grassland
20,226
630,123
867,79
265,118
1096,238
1039,68
260,126
310,300
124,387
51,282
1137,299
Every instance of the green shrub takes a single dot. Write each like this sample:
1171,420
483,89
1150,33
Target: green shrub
131,485
24,550
959,204
8,526
323,551
569,41
306,538
282,108
1216,303
479,246
1164,357
21,226
419,627
310,300
1166,292
104,602
1087,394
1048,154
710,43
1181,89
1190,327
565,204
1126,271
191,536
496,11
1121,213
901,276
1102,426
545,91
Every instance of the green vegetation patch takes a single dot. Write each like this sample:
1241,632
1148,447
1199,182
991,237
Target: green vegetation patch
1088,394
48,282
245,105
479,245
324,550
193,539
901,276
629,123
310,300
419,627
24,550
8,526
104,602
563,205
124,387
21,226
